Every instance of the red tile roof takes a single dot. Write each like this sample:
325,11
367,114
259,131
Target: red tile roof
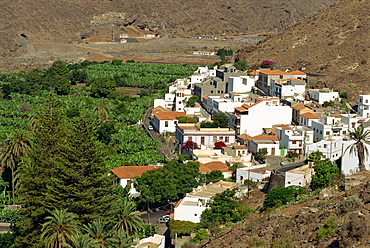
310,116
168,115
297,73
240,147
298,107
211,166
133,171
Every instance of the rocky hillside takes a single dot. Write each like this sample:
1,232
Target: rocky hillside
332,219
334,43
24,22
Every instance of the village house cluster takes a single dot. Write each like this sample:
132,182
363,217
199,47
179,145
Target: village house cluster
269,110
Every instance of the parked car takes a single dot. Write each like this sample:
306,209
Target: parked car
169,212
150,128
163,219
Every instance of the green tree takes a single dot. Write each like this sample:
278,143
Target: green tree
82,183
102,87
102,111
16,148
325,171
191,101
219,120
35,175
278,197
99,231
169,183
224,208
261,154
65,170
59,68
361,138
241,65
81,241
129,221
58,228
214,176
315,156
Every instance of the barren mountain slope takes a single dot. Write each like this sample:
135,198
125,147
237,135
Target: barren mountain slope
335,43
28,21
300,224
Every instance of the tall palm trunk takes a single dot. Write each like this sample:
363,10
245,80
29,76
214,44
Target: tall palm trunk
13,184
361,156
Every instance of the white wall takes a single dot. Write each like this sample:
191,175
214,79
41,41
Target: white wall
262,116
350,161
364,105
188,212
322,97
240,84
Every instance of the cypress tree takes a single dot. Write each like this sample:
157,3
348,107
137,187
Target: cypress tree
64,170
38,171
83,184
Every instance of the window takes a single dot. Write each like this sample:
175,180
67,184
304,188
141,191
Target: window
344,132
195,214
366,101
179,102
294,142
202,140
166,123
212,91
273,151
327,132
227,139
221,138
324,145
190,138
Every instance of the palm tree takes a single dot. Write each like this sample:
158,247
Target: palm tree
120,239
129,221
59,228
98,231
361,138
102,111
15,149
81,241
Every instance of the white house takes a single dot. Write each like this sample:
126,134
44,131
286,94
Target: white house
264,113
190,208
222,104
293,138
266,76
240,84
331,148
202,73
300,176
364,106
255,173
125,175
164,120
175,100
328,127
305,119
288,89
323,95
270,142
203,137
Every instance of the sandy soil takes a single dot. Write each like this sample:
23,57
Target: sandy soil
162,50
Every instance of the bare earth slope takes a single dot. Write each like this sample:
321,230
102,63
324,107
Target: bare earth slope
24,22
335,43
300,224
